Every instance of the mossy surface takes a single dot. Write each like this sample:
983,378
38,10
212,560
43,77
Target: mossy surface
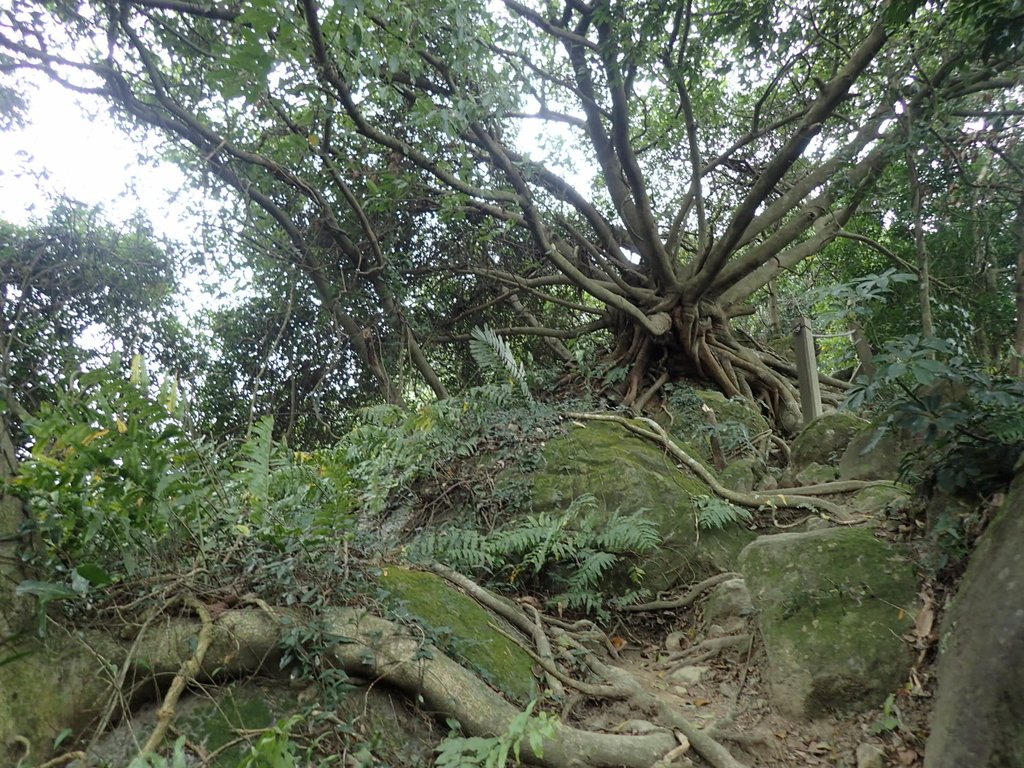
734,417
875,499
979,706
463,628
215,723
630,475
833,605
824,440
40,693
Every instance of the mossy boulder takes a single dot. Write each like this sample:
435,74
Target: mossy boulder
465,629
873,455
877,498
630,475
825,439
815,473
41,687
738,424
832,606
382,728
979,706
742,474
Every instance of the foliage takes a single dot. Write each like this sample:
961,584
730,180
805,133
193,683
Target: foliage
858,298
179,758
570,555
967,424
117,486
891,718
494,752
381,166
493,354
716,513
74,284
274,748
395,458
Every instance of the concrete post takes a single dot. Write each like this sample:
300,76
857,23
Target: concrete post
807,370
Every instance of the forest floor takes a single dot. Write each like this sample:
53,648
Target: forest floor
732,698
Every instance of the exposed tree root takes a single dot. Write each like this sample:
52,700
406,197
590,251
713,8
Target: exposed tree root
681,602
650,429
705,650
247,641
186,674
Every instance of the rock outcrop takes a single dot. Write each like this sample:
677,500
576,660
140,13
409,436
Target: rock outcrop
832,606
978,720
630,475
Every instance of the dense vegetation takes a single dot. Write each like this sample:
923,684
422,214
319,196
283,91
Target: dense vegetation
458,221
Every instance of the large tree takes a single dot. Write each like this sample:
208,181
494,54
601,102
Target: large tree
382,144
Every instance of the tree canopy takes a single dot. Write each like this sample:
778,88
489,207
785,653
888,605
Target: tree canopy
408,164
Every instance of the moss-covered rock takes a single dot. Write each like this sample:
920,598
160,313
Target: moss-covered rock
824,440
979,707
630,475
873,456
815,473
381,730
41,687
737,424
877,498
462,627
742,474
832,606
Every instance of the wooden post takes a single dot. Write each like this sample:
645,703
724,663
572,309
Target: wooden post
807,370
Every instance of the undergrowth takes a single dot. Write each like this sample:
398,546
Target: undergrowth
578,558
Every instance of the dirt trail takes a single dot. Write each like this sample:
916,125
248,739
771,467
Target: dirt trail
728,694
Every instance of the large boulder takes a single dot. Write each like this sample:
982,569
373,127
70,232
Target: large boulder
629,475
462,627
873,454
832,605
824,440
978,720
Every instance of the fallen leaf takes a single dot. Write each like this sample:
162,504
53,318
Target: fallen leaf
907,757
925,618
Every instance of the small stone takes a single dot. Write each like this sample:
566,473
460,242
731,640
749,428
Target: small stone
688,675
870,755
637,726
728,600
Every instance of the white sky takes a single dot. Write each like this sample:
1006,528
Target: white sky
87,159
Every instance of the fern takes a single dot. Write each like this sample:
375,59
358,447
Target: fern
254,464
460,548
713,513
493,354
569,555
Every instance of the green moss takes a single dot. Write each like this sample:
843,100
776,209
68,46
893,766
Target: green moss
833,606
629,475
689,425
463,628
876,498
824,439
41,693
215,723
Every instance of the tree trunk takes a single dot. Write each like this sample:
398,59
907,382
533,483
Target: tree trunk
923,261
699,345
15,613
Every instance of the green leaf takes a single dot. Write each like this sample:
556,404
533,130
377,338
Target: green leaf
45,590
94,574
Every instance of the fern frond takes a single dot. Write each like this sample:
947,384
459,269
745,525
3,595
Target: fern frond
254,465
713,512
495,357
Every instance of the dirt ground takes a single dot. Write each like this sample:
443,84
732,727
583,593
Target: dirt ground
732,699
